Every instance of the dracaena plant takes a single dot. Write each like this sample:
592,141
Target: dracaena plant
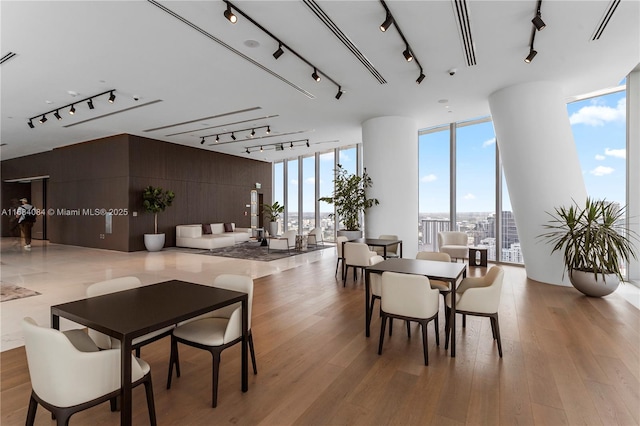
592,238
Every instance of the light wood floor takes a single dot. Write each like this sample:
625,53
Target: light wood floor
568,359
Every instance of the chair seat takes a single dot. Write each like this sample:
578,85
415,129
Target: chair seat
458,252
206,331
81,340
440,285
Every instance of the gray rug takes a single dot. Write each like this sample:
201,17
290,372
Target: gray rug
13,292
251,251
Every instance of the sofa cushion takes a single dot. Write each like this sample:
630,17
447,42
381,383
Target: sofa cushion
189,231
228,227
206,228
217,228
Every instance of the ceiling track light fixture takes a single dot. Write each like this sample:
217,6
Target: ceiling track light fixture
233,133
387,22
316,71
229,15
278,146
408,53
72,107
538,25
202,141
340,92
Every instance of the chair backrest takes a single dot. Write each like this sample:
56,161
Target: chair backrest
339,242
455,238
392,248
64,376
375,280
105,287
485,296
356,254
408,295
433,255
290,235
242,283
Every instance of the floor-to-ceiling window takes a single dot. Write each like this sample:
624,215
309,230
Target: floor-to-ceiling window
278,191
434,188
291,207
308,196
326,170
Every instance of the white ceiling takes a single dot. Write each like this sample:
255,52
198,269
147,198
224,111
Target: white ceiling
181,75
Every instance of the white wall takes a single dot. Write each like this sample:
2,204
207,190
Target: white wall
390,155
633,165
541,167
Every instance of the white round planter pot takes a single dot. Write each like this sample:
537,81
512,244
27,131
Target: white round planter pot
586,283
154,242
351,235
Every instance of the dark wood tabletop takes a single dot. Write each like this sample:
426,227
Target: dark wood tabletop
128,314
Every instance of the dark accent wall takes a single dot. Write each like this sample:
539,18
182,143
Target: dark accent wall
111,173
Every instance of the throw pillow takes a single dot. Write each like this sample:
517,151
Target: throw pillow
206,228
228,227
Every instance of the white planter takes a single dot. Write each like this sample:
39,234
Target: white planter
154,242
586,283
351,235
273,229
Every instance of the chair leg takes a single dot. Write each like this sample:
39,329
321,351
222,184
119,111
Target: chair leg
173,359
137,352
447,319
337,264
425,343
493,328
437,330
253,353
31,413
113,403
383,325
408,329
497,326
390,326
464,320
373,300
215,374
344,275
148,388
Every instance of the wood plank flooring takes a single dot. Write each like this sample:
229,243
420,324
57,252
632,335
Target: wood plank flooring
568,359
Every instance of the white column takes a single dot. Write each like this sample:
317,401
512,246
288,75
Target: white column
541,167
633,166
390,151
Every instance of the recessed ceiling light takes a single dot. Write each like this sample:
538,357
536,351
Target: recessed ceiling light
443,101
252,43
72,93
48,102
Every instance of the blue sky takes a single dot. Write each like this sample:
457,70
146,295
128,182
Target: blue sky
598,126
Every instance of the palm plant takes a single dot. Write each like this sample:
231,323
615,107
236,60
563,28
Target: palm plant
591,238
272,211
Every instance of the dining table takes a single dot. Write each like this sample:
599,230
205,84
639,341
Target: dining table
128,314
373,242
451,272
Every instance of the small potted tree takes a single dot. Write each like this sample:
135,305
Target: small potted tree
594,244
350,199
155,200
272,213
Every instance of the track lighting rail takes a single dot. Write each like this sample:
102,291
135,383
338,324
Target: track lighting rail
316,71
279,146
537,25
233,133
72,110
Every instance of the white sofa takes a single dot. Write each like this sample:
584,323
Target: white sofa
191,236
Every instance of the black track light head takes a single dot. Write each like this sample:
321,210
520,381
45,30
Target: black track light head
217,138
538,22
315,75
43,119
202,141
260,149
30,123
291,146
112,97
229,15
253,132
233,136
387,22
307,143
247,151
278,52
57,115
90,103
268,130
407,54
72,110
340,92
532,54
420,77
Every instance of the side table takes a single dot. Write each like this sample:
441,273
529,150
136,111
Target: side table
301,242
478,256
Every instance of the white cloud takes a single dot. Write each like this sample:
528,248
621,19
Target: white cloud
310,180
600,157
469,196
428,178
618,153
602,171
489,142
598,115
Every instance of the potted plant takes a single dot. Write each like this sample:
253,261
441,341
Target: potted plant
272,213
155,200
350,200
594,244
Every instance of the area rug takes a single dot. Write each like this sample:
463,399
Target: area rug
251,251
13,292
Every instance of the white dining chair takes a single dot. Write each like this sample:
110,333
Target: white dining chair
392,250
215,331
339,245
409,297
356,255
454,243
68,377
478,296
